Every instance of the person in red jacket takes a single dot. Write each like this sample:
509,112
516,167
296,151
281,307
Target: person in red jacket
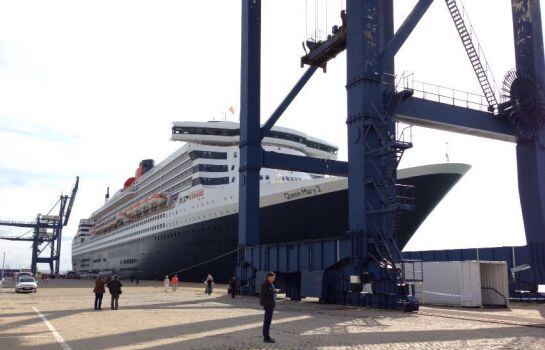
174,282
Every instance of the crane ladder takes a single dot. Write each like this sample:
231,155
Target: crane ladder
474,52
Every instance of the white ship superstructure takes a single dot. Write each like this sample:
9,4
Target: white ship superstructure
184,210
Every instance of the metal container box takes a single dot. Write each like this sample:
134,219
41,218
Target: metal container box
464,283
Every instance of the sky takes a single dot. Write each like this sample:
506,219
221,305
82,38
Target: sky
91,88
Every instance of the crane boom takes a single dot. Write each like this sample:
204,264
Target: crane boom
71,202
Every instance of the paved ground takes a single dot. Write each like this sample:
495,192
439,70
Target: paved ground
149,318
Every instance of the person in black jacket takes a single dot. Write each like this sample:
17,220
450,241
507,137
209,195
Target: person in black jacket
233,286
114,286
99,292
267,299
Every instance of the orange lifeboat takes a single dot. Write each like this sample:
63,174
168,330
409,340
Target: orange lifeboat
157,199
139,207
121,216
132,210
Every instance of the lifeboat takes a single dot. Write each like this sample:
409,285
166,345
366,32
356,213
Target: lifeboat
121,216
157,199
132,210
146,203
140,206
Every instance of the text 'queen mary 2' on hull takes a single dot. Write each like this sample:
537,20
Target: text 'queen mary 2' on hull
182,214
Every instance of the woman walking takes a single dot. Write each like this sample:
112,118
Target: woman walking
166,283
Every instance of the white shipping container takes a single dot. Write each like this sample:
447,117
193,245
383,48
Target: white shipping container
464,283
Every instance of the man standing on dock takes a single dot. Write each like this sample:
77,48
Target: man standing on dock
233,286
99,292
115,290
267,299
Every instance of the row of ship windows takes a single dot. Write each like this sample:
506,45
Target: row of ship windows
128,269
179,234
94,271
97,260
271,133
198,168
209,155
211,181
163,225
128,261
140,223
147,229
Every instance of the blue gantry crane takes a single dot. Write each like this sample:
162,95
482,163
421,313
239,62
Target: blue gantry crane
364,266
46,229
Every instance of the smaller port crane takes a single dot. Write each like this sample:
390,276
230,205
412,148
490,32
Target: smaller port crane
46,232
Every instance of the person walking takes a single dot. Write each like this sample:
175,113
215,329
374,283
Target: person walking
174,282
208,284
233,286
115,290
166,283
99,291
267,299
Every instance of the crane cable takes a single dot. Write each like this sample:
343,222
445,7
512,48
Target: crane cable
53,207
306,19
315,20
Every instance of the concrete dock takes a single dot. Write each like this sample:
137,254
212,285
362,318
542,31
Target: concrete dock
61,316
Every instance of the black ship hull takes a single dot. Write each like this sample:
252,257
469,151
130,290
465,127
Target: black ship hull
195,250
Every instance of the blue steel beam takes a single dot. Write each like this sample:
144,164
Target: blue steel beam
442,116
26,224
250,133
311,165
9,238
405,30
287,101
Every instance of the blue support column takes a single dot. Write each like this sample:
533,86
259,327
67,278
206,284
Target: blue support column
363,90
530,60
250,133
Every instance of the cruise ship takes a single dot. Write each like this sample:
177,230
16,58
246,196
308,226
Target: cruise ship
182,213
